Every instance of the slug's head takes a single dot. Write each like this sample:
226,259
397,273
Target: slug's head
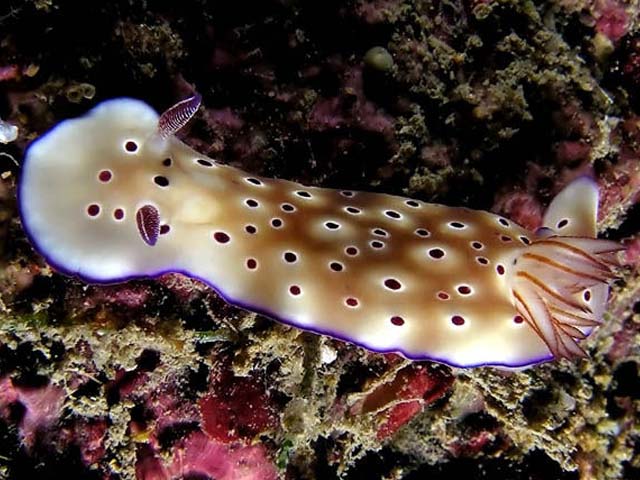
90,190
560,282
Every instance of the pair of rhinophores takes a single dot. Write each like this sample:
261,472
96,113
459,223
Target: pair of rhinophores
115,195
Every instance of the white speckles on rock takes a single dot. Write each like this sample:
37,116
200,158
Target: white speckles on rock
8,132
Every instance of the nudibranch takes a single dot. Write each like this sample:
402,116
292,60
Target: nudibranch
115,195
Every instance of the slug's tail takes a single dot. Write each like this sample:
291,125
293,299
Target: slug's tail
561,281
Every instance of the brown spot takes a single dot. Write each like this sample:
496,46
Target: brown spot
118,214
351,302
336,266
221,237
332,225
104,176
482,260
161,181
295,290
131,146
436,253
457,320
93,210
392,284
252,263
397,321
204,163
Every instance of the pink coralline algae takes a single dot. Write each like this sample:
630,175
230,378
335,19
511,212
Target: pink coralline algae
350,109
522,207
42,407
401,399
198,456
236,408
612,19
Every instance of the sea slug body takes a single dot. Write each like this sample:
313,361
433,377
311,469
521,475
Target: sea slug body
115,195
